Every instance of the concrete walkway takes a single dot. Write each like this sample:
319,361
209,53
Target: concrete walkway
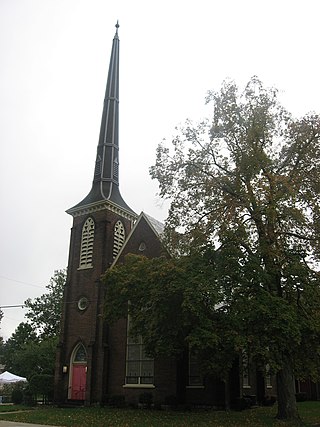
17,424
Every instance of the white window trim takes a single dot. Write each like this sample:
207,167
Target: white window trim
119,237
86,267
189,374
201,387
268,377
139,386
87,242
246,380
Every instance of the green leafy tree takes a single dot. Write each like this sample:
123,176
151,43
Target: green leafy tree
1,350
22,336
42,384
31,348
244,187
175,304
45,311
251,179
35,358
1,338
25,354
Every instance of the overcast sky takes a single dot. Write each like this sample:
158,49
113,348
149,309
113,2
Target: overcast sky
54,57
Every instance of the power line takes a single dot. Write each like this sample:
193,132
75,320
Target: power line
11,306
63,302
19,281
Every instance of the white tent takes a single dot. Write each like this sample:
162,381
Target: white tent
8,378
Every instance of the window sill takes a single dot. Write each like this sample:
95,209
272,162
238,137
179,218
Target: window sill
269,386
139,386
85,267
246,386
201,387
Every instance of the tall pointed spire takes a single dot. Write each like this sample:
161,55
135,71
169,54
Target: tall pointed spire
105,184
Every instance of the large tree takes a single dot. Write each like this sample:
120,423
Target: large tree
22,336
251,179
44,312
176,304
31,348
247,184
25,354
1,338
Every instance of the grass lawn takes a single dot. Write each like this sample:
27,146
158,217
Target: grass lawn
100,417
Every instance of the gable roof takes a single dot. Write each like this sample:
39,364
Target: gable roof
155,226
158,227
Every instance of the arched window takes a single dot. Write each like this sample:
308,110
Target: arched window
118,238
87,238
80,354
245,370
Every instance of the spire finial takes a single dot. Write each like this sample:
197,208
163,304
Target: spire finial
117,26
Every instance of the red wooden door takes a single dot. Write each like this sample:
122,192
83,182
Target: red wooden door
79,378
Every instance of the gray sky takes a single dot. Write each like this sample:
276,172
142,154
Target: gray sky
54,57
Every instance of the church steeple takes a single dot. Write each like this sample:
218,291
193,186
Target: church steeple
105,184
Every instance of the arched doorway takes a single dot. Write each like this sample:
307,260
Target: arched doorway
78,373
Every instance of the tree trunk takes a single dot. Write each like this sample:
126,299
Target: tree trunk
227,394
287,405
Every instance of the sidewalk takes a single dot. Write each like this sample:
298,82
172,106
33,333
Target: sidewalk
18,424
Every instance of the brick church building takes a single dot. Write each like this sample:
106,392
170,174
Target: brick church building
96,361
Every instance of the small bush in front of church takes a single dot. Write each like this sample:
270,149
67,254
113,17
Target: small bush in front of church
146,399
17,396
117,401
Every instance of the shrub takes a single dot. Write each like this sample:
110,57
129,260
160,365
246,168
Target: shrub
8,389
29,398
17,396
301,397
42,384
171,400
269,400
117,400
242,403
146,399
